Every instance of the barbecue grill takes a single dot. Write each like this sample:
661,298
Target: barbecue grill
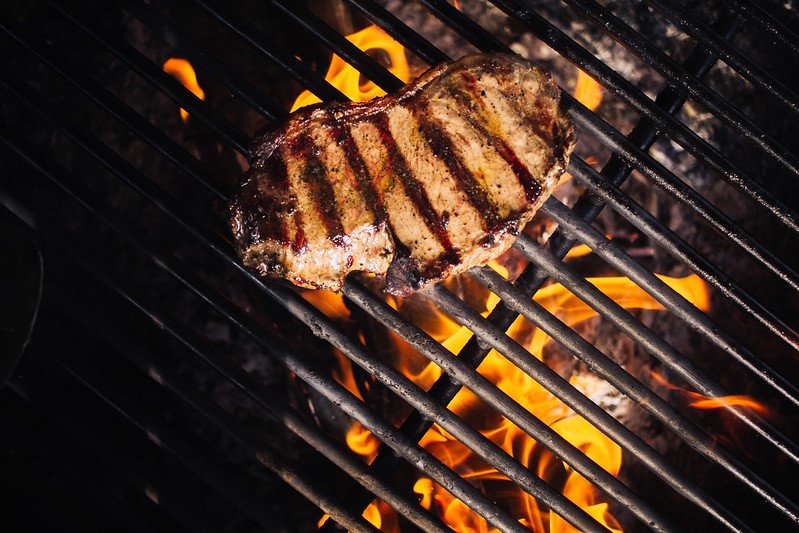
166,387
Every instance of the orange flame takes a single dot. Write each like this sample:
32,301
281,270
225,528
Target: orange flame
731,430
587,91
348,80
735,400
700,401
181,70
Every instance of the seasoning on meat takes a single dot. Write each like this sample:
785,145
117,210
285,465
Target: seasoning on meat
418,185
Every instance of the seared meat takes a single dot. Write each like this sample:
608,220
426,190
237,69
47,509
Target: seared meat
418,185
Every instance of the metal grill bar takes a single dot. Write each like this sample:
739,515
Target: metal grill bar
687,196
669,68
661,175
198,56
160,435
598,363
679,249
612,479
411,40
146,131
294,67
675,303
667,180
164,438
678,131
628,324
346,460
708,211
646,338
265,453
310,315
479,444
465,375
487,450
705,35
158,78
307,371
452,393
307,313
346,50
787,38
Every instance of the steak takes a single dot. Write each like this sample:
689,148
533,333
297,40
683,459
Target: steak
418,185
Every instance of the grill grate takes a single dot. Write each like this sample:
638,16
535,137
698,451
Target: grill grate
77,254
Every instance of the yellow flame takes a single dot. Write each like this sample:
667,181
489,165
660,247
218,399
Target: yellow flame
424,488
348,80
578,251
183,71
587,91
372,515
362,441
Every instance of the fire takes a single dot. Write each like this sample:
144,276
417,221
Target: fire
731,430
587,91
181,70
523,389
700,401
496,368
541,403
348,80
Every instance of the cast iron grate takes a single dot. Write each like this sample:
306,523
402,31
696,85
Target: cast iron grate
143,312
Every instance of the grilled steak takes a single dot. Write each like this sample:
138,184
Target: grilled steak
418,185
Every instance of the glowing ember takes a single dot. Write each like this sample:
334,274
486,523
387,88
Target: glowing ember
181,70
587,91
348,80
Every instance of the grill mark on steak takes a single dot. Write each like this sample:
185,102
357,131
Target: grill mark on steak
441,144
414,189
313,175
366,187
532,188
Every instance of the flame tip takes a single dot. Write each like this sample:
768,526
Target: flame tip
183,71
